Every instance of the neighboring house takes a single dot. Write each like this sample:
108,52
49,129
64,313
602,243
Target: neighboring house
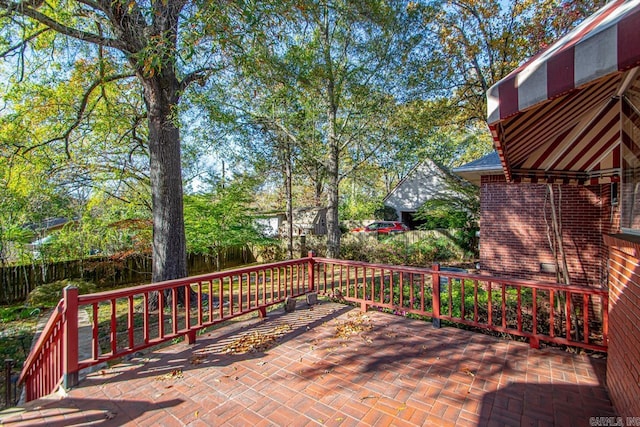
571,117
424,182
516,226
307,221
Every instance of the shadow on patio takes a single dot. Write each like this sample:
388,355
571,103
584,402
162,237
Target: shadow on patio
332,365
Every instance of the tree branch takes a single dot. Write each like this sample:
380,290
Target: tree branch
200,76
81,110
24,42
28,8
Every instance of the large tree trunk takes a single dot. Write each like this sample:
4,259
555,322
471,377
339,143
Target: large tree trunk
169,242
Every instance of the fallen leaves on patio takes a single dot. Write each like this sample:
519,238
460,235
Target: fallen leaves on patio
197,359
173,375
468,372
357,323
256,341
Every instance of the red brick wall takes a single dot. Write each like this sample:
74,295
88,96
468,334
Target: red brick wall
513,232
623,360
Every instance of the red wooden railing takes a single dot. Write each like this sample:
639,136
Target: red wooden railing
560,314
42,371
131,324
125,321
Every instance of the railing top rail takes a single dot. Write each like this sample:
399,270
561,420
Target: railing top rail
168,284
55,317
471,276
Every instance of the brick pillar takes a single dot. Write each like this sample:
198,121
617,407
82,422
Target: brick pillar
623,359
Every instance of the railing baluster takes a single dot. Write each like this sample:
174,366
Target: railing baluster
200,296
279,283
114,327
552,322
391,285
422,283
174,310
273,298
94,332
130,322
264,287
475,301
210,299
504,306
435,295
231,296
585,312
534,293
450,288
489,305
411,290
567,317
161,333
220,298
373,285
462,297
519,308
401,289
145,320
187,307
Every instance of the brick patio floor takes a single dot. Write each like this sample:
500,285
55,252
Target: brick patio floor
398,372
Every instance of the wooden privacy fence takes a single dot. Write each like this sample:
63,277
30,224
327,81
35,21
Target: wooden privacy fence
128,320
16,282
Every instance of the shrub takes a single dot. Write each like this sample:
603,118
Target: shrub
355,247
49,294
397,251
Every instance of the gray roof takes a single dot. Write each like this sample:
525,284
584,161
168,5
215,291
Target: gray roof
488,163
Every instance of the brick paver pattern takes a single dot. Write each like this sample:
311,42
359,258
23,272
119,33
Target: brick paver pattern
400,372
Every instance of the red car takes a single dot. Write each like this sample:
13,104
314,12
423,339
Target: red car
383,227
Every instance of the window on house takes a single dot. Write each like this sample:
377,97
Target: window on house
630,188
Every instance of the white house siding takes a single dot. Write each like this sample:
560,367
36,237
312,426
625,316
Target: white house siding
423,183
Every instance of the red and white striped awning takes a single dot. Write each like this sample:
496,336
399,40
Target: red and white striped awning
556,118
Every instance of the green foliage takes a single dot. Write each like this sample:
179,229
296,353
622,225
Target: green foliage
102,225
48,295
442,217
386,213
14,313
457,208
358,208
224,218
396,250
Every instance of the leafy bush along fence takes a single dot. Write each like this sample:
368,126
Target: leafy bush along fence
415,247
16,282
127,320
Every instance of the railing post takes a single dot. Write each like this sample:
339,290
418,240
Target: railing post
435,283
70,344
311,272
8,366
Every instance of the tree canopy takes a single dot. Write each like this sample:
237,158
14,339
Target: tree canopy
332,103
